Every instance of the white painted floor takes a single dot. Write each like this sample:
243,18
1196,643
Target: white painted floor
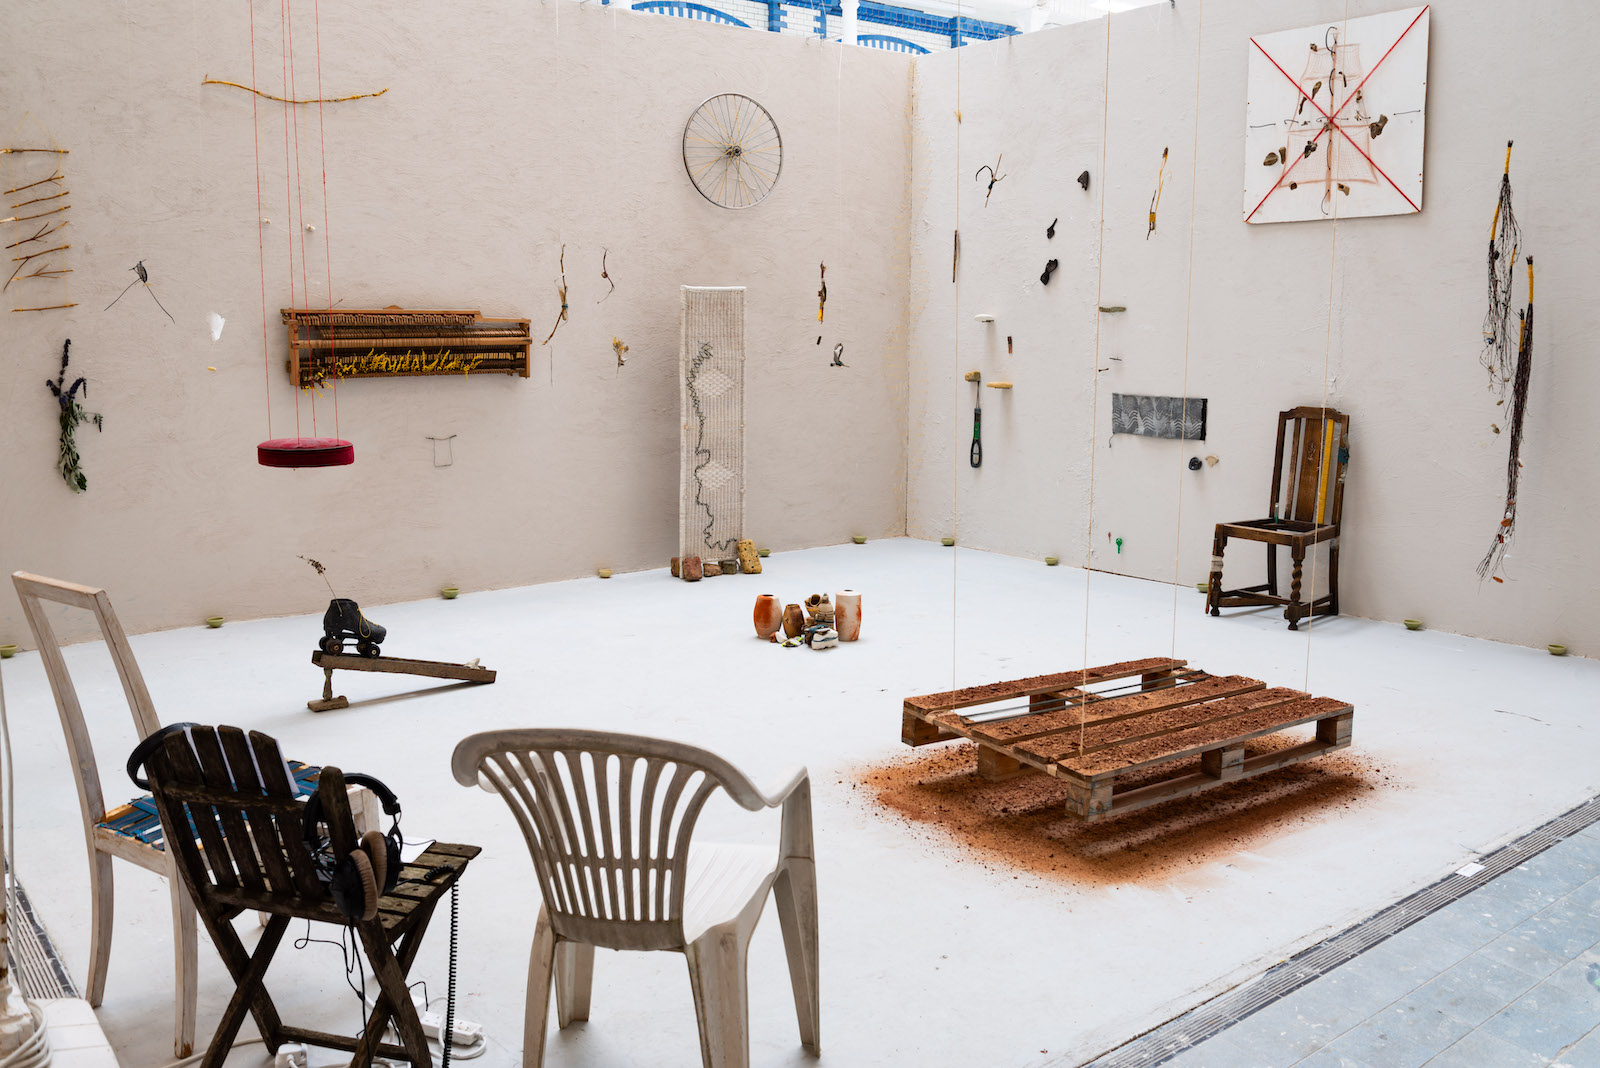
929,957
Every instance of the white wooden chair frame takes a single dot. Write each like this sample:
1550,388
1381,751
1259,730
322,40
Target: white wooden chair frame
625,886
104,843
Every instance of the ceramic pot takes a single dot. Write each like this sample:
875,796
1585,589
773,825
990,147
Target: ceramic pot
605,572
768,615
847,614
794,620
824,639
213,622
450,593
7,652
692,570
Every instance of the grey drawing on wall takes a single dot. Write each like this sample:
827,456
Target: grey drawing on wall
1159,417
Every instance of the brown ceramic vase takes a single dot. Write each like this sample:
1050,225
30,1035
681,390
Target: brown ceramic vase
794,620
768,616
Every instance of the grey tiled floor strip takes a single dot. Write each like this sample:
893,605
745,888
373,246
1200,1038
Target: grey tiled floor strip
1497,969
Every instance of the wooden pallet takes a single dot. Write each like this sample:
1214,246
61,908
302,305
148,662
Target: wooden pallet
434,669
1092,726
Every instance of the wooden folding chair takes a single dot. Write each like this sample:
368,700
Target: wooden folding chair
1308,485
230,810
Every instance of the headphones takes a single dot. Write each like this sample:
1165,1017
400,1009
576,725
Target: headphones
371,869
151,743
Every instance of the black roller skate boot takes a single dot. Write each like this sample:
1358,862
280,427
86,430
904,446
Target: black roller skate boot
344,620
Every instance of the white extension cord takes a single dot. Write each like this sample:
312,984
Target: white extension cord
467,1038
35,1049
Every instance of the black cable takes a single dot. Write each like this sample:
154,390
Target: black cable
347,950
447,1036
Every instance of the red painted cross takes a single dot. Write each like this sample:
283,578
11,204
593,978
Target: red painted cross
1330,123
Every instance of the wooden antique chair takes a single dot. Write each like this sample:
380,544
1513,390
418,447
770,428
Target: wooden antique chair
248,850
1307,504
131,831
609,820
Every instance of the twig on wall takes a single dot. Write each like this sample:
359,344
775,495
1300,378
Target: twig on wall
822,294
1155,198
561,288
605,276
286,100
56,177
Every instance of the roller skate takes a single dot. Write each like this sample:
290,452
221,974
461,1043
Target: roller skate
344,620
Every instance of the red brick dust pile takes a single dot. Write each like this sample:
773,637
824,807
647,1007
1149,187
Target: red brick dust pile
1023,821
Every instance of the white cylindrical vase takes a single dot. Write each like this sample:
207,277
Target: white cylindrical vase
847,614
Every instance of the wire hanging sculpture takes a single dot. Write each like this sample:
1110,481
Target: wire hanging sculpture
1505,237
994,176
1519,406
144,276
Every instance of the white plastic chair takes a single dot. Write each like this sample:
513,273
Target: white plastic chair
609,820
123,832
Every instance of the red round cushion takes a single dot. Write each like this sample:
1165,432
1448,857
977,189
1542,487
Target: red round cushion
305,452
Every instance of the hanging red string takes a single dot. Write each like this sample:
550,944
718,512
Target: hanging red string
261,247
327,247
297,451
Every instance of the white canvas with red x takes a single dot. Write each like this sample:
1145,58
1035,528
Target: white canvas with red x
1335,117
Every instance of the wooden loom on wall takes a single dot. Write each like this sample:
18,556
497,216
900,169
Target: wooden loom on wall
393,342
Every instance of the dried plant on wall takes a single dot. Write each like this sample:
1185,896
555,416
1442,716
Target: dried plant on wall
72,414
1505,237
1519,405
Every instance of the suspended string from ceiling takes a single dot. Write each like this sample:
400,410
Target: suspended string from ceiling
1094,367
955,311
1327,354
327,240
1188,313
261,241
297,230
288,193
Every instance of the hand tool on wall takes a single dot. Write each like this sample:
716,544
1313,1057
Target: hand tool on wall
977,417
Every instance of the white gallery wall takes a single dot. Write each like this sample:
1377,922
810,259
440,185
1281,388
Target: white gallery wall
508,130
1382,316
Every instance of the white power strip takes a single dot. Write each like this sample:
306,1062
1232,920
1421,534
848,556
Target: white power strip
463,1033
